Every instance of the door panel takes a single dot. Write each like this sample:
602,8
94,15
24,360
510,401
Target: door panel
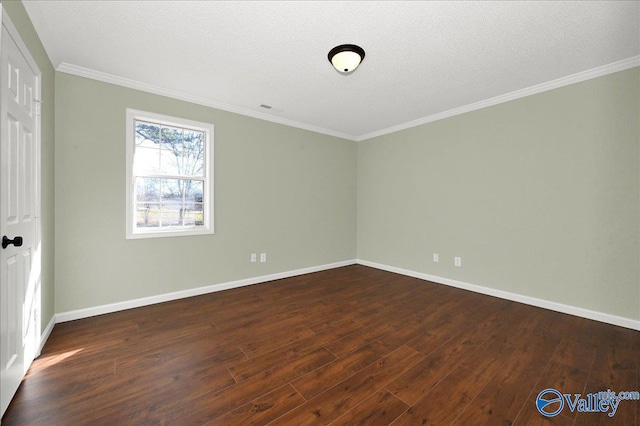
26,175
13,332
12,170
19,280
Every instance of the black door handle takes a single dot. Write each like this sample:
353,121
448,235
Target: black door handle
17,241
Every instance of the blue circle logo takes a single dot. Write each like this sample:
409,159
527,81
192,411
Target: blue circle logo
547,400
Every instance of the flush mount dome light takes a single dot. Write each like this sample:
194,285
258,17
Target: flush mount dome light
346,57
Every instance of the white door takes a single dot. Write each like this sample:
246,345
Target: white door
19,255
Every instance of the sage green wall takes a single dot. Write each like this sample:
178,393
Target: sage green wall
540,196
21,21
288,192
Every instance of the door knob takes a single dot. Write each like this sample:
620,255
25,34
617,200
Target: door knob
17,241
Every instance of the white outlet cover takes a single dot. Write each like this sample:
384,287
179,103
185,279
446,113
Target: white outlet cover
436,258
457,261
263,257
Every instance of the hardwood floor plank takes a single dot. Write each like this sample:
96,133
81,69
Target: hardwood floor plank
351,345
444,402
382,408
37,392
401,335
617,379
492,354
575,354
275,340
333,373
358,338
615,367
84,406
180,360
87,346
506,393
411,386
615,364
208,406
559,376
435,337
75,369
156,341
262,323
531,417
329,405
262,410
486,318
251,367
335,323
152,405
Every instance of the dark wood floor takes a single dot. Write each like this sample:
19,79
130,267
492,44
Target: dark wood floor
348,346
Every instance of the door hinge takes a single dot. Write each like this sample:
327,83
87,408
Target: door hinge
38,106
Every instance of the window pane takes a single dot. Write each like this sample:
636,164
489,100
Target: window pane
193,190
168,163
147,189
168,150
182,152
193,153
147,134
171,215
194,214
171,161
171,190
171,138
147,160
181,202
147,215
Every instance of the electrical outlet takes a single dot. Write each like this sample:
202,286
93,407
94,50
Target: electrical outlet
254,257
263,257
457,261
436,258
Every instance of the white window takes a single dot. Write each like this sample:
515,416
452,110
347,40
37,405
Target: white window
169,176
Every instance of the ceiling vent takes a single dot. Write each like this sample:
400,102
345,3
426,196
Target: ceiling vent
271,107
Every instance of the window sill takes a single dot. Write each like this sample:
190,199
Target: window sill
168,233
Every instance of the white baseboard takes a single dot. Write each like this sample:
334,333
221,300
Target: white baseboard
136,303
45,335
528,300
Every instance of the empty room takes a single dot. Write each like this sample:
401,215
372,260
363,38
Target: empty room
320,212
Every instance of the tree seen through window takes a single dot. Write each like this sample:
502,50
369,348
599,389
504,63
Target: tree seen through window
169,175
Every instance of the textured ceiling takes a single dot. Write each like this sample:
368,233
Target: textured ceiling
422,58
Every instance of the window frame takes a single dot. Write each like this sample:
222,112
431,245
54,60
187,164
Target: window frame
132,231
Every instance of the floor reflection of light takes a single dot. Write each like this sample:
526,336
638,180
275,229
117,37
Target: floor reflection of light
45,362
31,307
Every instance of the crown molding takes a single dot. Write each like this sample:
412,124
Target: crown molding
539,88
157,90
543,87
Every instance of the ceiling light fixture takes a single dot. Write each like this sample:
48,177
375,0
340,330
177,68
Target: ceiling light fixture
346,57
